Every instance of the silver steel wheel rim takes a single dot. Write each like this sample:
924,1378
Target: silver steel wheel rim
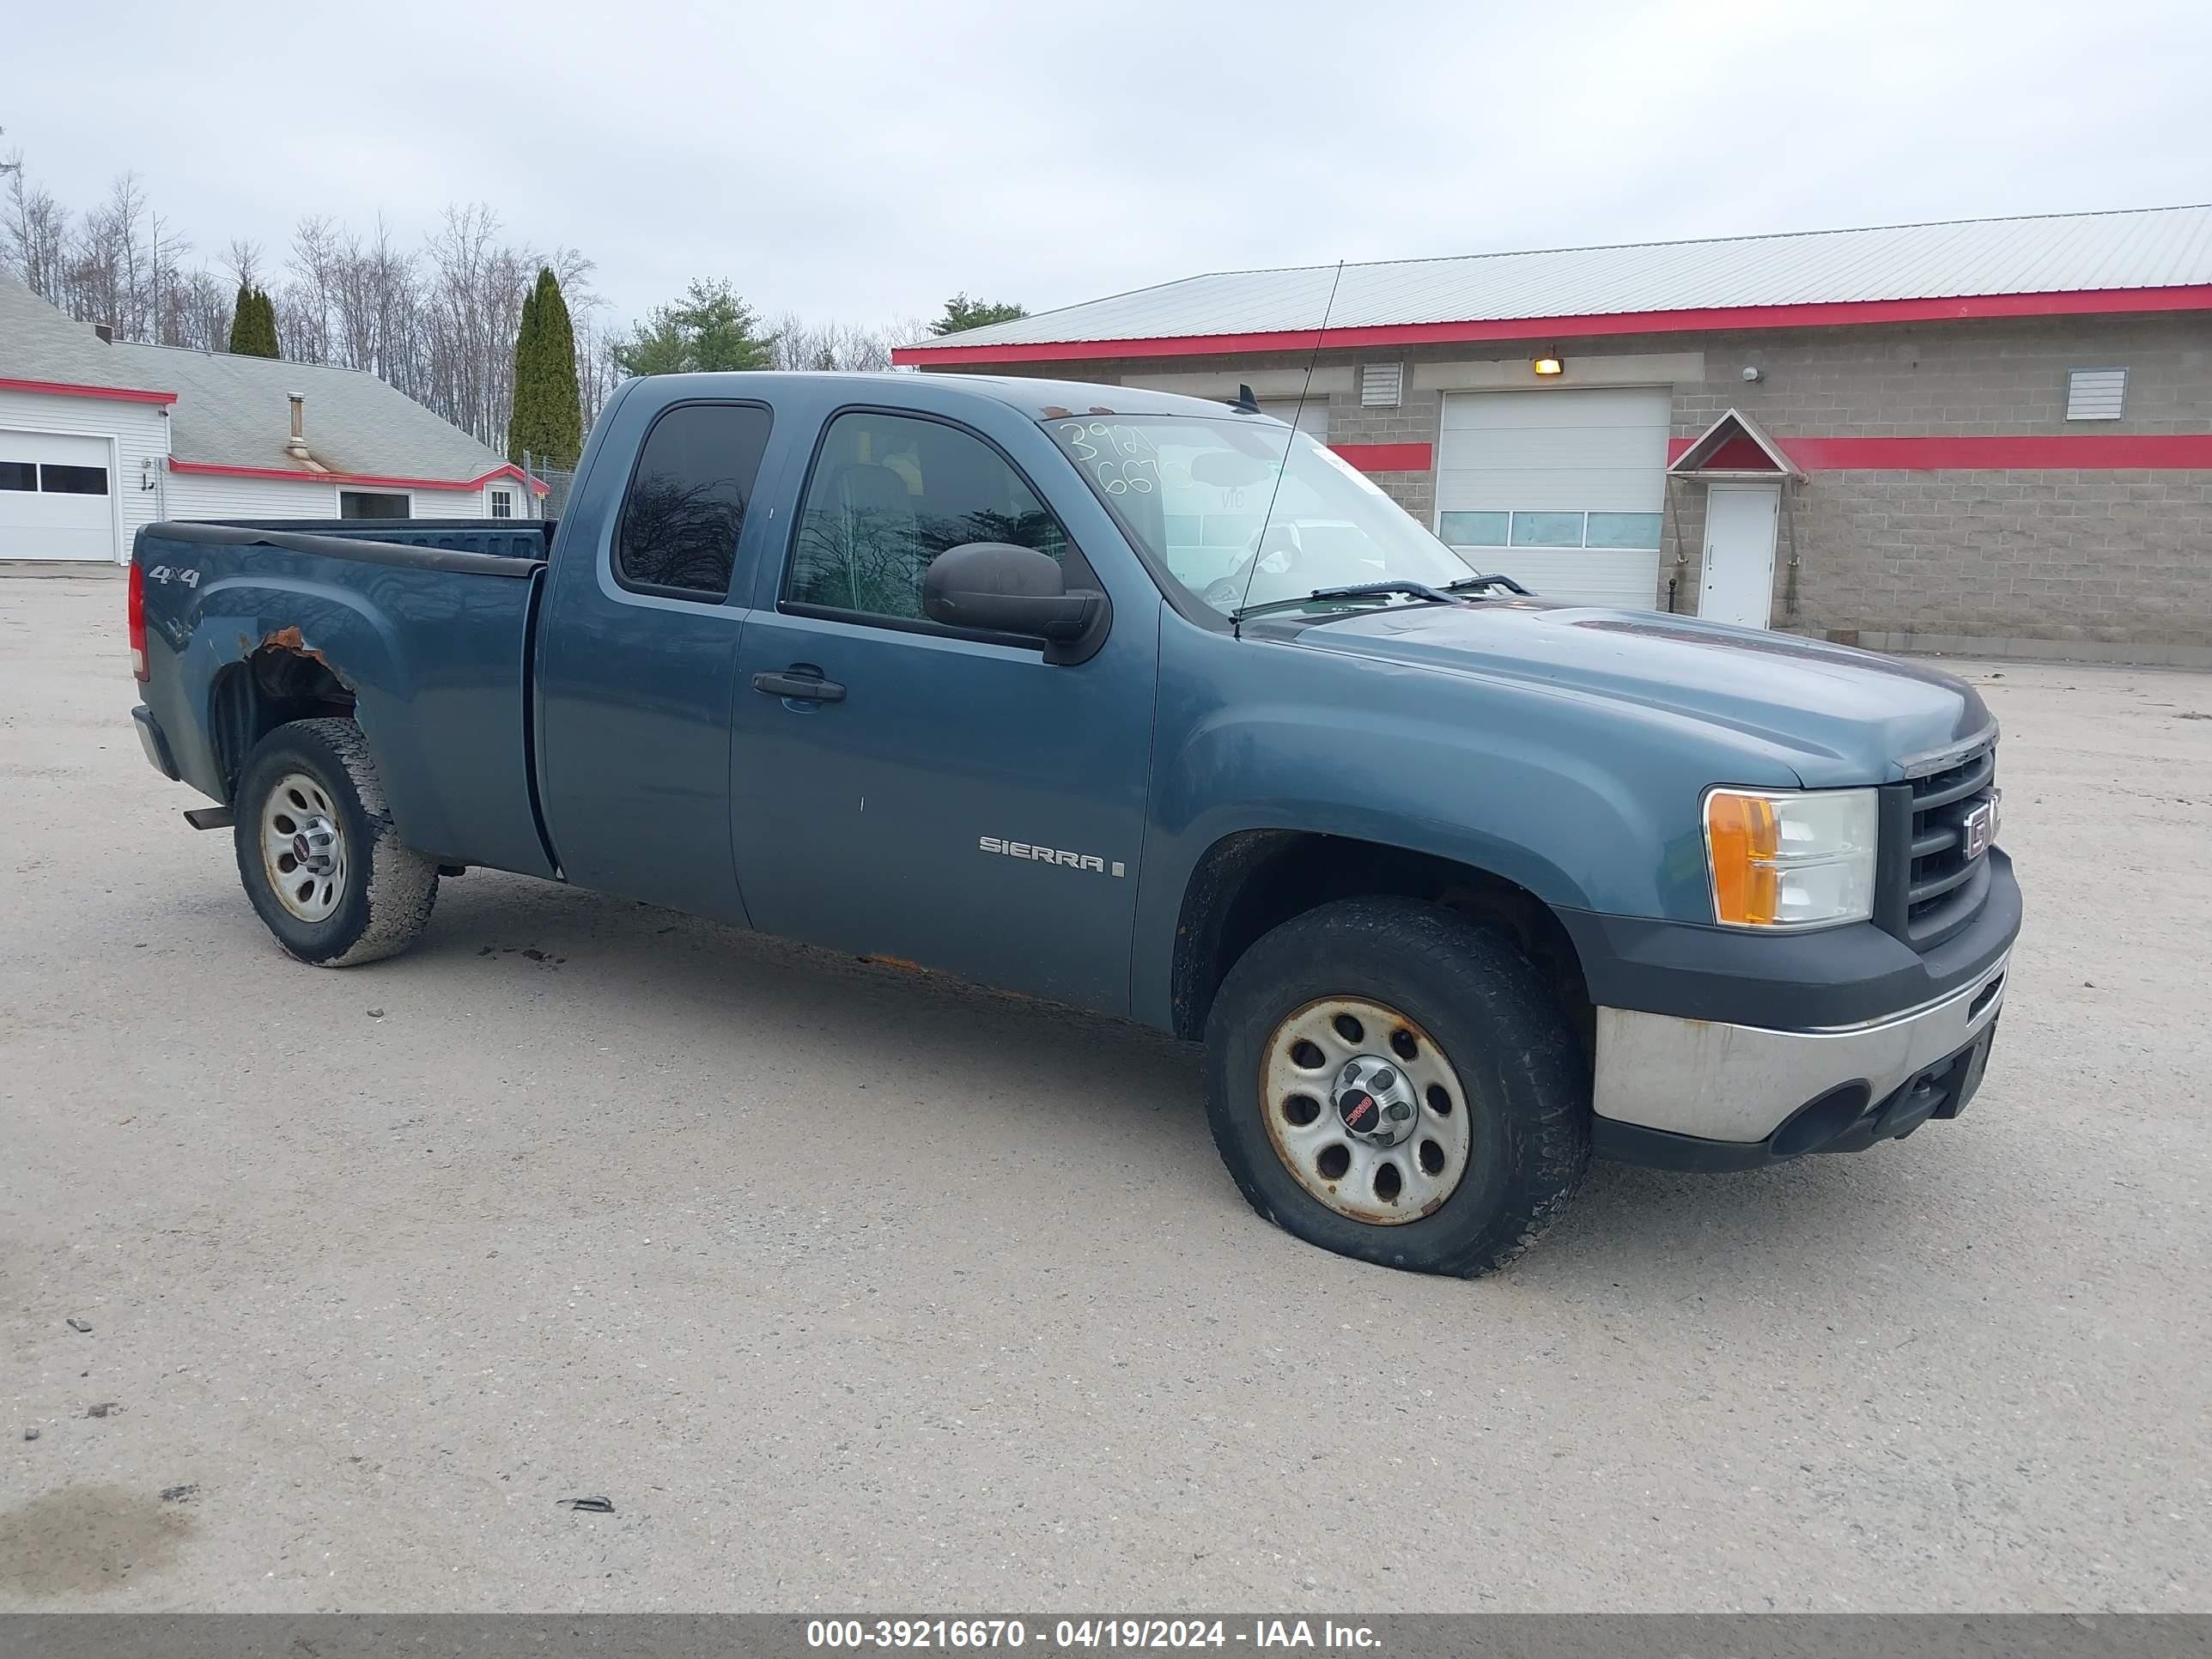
1311,1066
303,848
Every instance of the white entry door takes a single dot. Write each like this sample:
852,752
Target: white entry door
1738,584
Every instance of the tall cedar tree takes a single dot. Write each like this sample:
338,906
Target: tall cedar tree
254,325
548,423
264,314
519,413
241,321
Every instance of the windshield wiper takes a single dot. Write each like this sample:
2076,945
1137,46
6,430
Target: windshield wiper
1362,591
1476,584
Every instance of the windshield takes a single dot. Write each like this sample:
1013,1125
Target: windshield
1195,492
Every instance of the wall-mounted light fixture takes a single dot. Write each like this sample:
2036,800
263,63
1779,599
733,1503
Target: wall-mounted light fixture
1549,366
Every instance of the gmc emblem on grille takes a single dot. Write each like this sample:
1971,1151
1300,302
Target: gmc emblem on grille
1981,828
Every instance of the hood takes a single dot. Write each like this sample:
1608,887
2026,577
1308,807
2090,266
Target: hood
1844,715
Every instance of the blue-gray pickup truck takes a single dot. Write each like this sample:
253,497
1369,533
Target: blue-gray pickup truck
1154,706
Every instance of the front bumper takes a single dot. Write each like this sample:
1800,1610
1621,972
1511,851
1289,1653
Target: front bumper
1717,1049
1692,1094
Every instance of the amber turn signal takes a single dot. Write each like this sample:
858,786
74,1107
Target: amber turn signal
1745,838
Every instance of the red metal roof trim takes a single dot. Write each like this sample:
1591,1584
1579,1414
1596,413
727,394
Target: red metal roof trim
1387,458
2086,452
1844,313
120,394
295,476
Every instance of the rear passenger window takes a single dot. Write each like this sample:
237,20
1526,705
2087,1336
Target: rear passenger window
887,494
686,505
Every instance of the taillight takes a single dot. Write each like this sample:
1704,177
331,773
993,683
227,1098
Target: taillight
136,608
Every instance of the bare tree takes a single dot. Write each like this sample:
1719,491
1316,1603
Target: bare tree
803,344
200,306
438,322
242,259
597,374
166,279
37,234
303,308
476,286
377,304
101,277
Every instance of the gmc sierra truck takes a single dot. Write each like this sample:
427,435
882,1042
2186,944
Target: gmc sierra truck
1151,706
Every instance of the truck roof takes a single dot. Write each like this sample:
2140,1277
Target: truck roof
1057,400
1040,400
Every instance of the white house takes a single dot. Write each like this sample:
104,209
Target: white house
98,437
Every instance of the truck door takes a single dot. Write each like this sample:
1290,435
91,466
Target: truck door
637,668
952,800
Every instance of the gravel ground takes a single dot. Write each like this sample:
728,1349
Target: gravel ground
850,1287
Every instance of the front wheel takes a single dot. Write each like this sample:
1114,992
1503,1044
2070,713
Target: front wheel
1391,1082
317,853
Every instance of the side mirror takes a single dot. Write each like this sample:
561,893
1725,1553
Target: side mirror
999,588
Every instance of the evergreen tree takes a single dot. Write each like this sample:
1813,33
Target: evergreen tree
254,325
241,319
710,329
962,313
549,415
522,412
265,310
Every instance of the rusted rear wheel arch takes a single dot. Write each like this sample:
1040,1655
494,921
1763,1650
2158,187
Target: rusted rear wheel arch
1251,882
278,682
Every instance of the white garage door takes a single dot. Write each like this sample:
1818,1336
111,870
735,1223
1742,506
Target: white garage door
1560,490
1312,420
54,500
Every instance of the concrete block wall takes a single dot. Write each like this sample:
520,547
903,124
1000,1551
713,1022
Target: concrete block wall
2119,558
2093,558
2102,558
1958,380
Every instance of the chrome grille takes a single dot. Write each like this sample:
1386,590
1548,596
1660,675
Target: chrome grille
1945,884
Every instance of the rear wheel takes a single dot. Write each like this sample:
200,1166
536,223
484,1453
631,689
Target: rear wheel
1391,1082
317,851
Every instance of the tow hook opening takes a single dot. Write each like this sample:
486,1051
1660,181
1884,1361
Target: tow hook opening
1820,1120
1986,995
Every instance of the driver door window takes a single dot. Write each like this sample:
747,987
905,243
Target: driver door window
887,494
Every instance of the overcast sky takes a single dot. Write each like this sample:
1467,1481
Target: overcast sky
862,162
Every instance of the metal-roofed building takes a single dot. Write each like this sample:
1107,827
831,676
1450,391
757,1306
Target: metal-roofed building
98,437
1991,434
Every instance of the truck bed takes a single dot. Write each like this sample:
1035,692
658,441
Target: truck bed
526,539
421,628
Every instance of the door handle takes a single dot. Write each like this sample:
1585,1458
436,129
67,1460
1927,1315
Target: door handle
801,684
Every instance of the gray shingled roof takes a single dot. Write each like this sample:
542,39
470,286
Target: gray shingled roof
2055,253
235,411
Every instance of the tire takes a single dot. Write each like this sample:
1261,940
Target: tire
381,892
1474,1017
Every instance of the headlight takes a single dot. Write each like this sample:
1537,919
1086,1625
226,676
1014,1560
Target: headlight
1789,859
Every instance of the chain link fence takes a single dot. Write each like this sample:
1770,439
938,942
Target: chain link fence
558,481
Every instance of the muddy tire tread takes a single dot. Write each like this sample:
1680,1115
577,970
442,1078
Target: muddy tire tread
402,888
1469,982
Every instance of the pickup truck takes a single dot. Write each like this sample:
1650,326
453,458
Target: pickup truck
1151,706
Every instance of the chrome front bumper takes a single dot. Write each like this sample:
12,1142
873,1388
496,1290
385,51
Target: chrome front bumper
1741,1083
